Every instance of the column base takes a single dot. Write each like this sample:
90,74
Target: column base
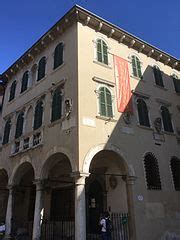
7,237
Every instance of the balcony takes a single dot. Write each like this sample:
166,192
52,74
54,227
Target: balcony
27,142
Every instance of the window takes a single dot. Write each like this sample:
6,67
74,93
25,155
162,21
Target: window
152,172
158,76
166,118
58,55
176,82
24,83
56,105
136,67
105,102
19,125
102,52
38,115
143,113
175,168
41,68
7,130
12,91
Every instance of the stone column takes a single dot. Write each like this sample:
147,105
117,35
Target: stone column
9,213
80,206
38,211
130,201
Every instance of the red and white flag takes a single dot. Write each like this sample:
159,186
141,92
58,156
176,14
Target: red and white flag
123,89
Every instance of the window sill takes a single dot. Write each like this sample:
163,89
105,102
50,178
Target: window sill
102,64
106,119
169,133
145,127
160,87
137,78
27,90
59,67
41,80
51,124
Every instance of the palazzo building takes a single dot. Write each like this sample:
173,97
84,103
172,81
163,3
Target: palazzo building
91,122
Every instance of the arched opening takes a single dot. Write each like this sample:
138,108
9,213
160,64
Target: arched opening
106,191
24,194
3,195
59,198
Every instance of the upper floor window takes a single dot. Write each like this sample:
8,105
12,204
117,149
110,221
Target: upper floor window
152,172
105,102
176,82
136,67
19,125
56,105
24,83
166,118
158,76
102,52
41,68
38,115
143,113
58,55
12,91
175,168
7,130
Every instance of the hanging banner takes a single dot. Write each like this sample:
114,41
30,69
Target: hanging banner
123,90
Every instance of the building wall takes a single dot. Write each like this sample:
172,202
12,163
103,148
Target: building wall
159,210
59,136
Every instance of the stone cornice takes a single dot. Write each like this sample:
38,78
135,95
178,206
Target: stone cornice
91,20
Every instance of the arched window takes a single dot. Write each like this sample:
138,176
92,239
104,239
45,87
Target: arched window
7,130
152,172
58,55
24,83
158,76
136,67
41,68
102,52
175,168
166,118
143,113
105,102
38,115
19,125
176,82
12,91
56,105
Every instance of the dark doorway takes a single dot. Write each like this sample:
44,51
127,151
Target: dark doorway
94,206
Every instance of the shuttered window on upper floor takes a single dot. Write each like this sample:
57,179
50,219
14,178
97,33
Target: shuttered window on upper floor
7,130
41,68
105,102
158,76
166,118
176,82
143,113
58,55
38,115
24,83
175,169
12,91
136,67
56,105
19,125
102,52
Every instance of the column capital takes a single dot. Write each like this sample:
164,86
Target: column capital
79,177
40,184
130,180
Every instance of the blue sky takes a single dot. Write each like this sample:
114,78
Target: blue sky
23,22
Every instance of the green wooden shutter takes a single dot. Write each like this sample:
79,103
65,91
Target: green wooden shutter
143,113
19,125
56,105
99,50
58,55
158,76
12,91
176,84
41,68
134,66
24,81
166,119
38,115
138,68
105,53
7,132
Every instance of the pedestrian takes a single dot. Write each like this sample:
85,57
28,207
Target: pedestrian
106,226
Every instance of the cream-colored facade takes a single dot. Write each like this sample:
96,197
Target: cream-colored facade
85,163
